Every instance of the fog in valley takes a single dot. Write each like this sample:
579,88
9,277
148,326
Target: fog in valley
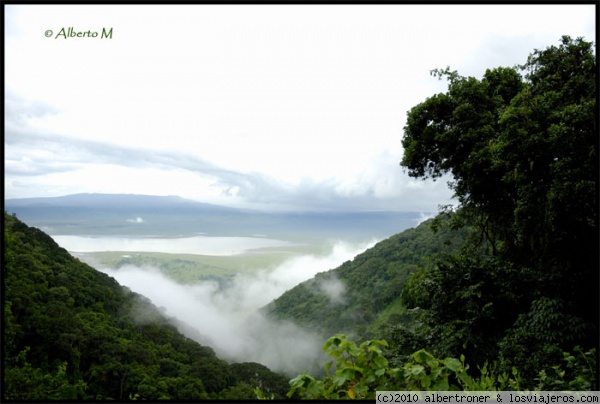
225,315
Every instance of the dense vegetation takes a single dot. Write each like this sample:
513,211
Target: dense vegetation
358,372
72,332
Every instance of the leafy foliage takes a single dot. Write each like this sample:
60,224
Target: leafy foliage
361,371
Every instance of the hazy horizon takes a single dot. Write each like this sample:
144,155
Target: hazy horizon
72,197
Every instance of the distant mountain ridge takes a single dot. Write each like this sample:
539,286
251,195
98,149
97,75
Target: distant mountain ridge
109,200
117,214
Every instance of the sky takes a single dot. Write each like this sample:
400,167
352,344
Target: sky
271,107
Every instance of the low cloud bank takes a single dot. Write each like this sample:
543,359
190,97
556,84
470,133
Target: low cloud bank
334,289
225,317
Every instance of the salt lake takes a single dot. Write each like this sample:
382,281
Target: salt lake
201,245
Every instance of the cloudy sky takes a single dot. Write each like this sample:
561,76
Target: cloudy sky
270,107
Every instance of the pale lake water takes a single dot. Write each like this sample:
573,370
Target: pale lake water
201,245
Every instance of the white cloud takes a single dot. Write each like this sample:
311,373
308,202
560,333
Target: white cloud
423,217
300,96
334,289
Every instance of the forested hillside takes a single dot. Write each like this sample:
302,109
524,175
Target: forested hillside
361,298
72,332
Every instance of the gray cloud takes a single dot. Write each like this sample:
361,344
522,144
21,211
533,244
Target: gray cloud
65,154
31,152
17,111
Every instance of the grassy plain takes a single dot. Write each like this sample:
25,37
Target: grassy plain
190,268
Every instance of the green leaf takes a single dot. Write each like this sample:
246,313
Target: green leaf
441,385
453,364
416,370
425,381
423,356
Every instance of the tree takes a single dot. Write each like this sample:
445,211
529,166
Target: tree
523,153
521,146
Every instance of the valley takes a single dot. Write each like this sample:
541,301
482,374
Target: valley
214,282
